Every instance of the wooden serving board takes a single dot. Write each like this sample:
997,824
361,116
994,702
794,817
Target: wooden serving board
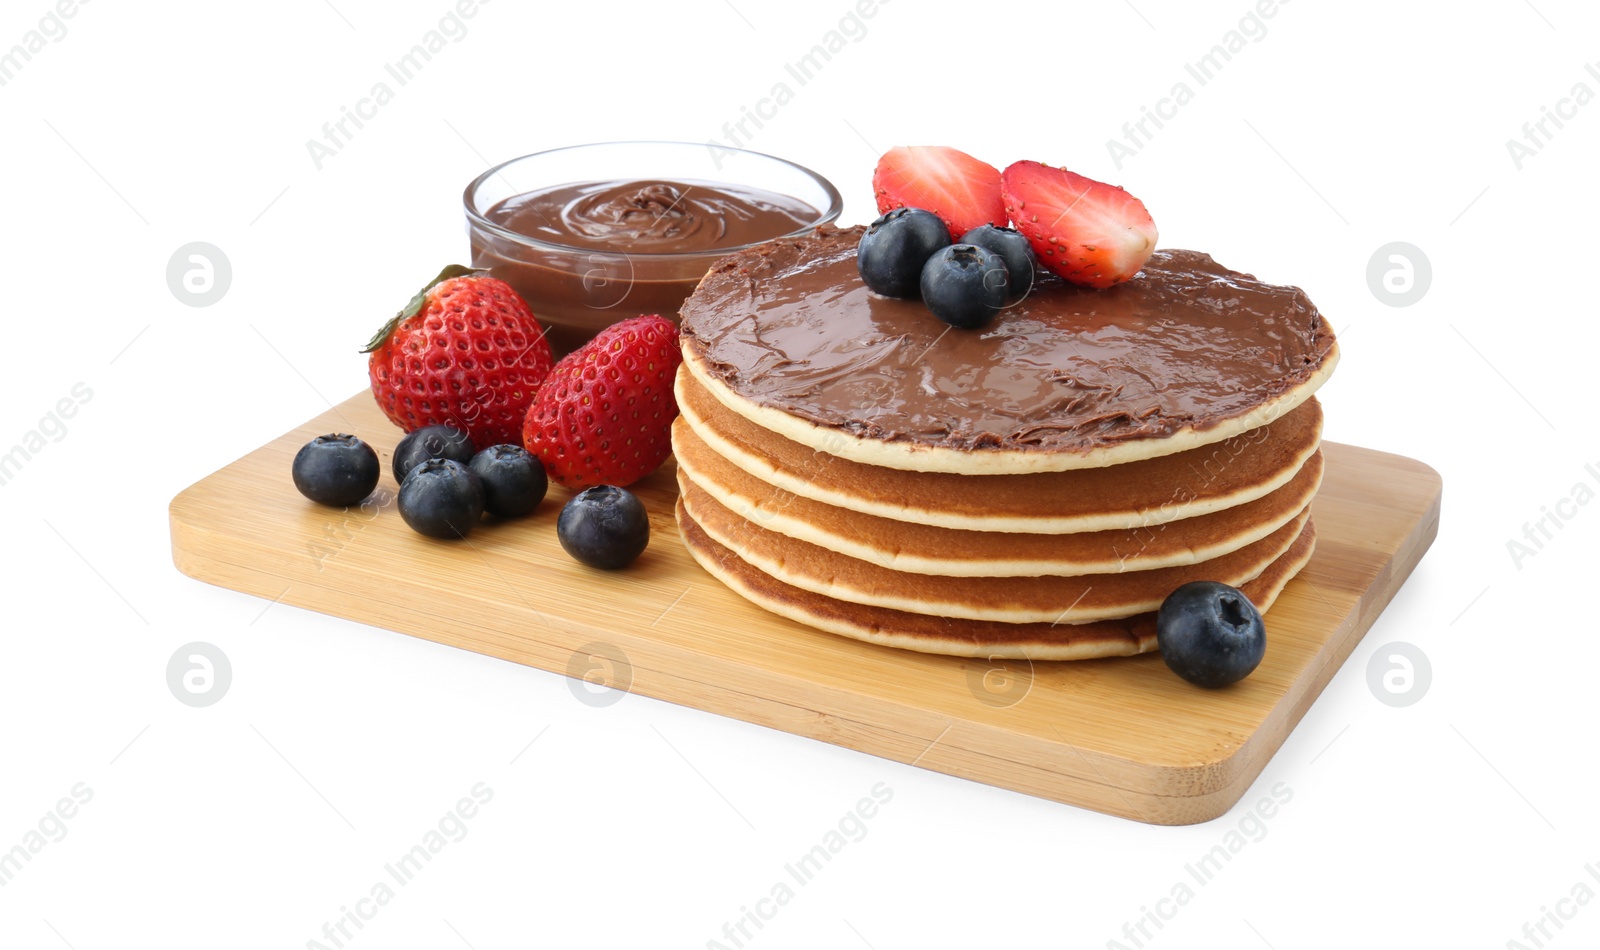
1123,736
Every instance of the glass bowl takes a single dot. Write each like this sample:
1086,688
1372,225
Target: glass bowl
578,280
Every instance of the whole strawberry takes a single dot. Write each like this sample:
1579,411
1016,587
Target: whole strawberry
604,416
466,352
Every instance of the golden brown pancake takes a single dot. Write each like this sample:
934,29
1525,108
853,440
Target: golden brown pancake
958,637
926,549
1006,599
1138,494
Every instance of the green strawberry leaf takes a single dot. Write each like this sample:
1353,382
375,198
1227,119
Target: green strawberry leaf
415,306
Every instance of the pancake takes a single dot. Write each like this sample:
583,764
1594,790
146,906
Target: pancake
1007,599
1187,353
1137,494
924,549
957,637
1035,487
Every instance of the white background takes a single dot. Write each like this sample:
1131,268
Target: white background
252,822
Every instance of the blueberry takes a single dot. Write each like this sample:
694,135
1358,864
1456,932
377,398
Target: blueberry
604,527
431,442
965,285
892,252
1210,634
441,498
337,470
514,482
1011,247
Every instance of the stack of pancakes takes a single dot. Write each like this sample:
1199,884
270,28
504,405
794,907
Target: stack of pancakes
1035,488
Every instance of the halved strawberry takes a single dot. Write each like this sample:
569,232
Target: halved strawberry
1087,231
961,190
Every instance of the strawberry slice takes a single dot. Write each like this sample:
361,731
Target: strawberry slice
1087,231
961,190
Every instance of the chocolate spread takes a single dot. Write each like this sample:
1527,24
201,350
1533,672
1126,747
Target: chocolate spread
1186,343
586,254
651,216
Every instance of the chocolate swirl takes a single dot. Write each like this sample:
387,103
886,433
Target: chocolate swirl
651,216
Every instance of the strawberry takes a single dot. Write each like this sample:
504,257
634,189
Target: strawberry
604,417
1087,231
467,352
961,190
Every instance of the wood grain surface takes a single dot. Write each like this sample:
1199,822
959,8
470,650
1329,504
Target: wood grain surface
1122,736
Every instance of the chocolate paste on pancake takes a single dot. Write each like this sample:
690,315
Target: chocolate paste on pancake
1185,344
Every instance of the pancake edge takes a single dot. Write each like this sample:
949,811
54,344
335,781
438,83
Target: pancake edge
1128,644
917,457
766,472
774,519
1073,614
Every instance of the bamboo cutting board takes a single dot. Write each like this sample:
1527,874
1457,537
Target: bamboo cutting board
1123,736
